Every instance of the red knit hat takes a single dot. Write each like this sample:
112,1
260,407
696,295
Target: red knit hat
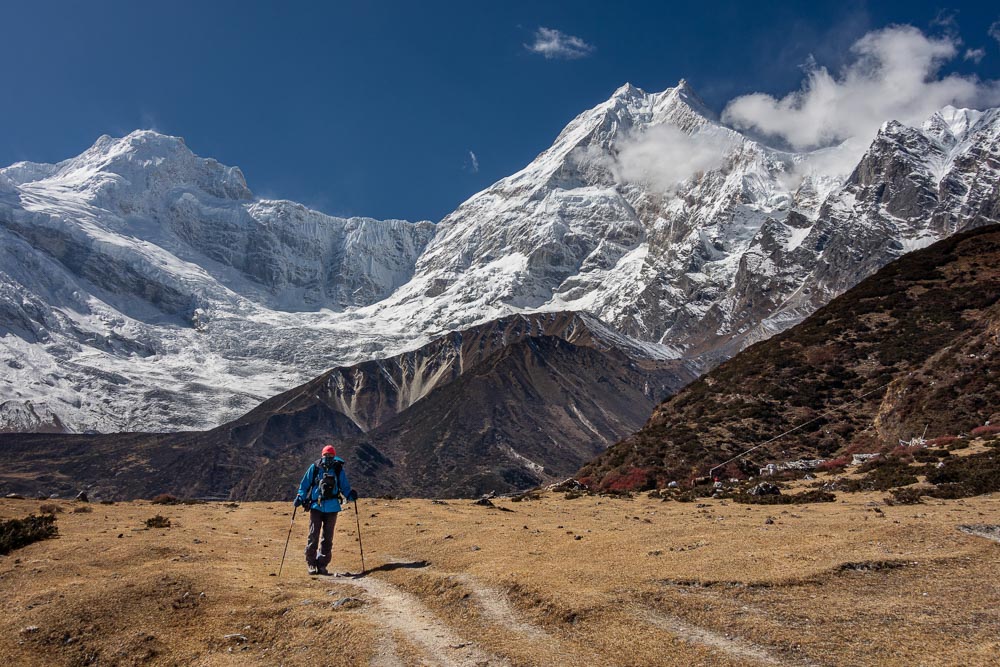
329,451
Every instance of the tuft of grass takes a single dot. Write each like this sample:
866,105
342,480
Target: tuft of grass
49,508
17,533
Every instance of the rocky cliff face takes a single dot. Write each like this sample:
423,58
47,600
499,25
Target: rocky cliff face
143,287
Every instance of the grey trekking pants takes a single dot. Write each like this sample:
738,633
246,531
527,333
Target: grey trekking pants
318,552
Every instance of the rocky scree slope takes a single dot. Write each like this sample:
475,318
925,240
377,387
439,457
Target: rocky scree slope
927,326
145,288
498,407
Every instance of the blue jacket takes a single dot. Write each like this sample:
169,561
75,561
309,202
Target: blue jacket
309,492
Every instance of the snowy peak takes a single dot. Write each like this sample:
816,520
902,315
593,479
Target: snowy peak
951,125
140,167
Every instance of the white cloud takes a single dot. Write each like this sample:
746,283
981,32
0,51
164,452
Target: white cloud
553,44
475,162
660,157
895,75
975,55
994,31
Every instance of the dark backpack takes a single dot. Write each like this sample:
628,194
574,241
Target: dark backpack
329,482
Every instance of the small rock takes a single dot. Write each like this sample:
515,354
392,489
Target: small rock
235,637
347,603
765,489
484,502
82,497
769,521
28,630
475,548
14,496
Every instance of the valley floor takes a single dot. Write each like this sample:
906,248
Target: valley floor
550,582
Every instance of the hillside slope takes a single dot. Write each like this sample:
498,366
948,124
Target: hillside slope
501,406
913,347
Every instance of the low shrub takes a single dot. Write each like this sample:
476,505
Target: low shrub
49,508
930,455
882,474
961,477
981,431
82,509
836,464
158,522
814,496
169,499
907,496
17,533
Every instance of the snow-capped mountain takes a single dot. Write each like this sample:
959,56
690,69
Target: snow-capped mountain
745,243
143,287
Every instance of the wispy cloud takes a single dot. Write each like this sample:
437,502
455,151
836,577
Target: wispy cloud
975,55
474,162
994,31
555,44
895,74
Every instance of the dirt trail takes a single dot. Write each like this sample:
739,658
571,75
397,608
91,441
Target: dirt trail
498,609
740,649
404,613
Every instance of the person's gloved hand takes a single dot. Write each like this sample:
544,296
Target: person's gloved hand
352,496
298,501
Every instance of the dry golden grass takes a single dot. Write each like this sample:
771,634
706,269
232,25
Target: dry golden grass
647,583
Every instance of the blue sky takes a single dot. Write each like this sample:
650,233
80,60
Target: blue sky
374,108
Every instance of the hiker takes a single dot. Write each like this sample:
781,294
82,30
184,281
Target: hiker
323,488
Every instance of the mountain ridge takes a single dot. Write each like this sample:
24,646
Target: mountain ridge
143,287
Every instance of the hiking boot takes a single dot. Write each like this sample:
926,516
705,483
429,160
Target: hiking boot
322,570
314,570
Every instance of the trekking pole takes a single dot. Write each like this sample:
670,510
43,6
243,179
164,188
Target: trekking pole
294,510
358,520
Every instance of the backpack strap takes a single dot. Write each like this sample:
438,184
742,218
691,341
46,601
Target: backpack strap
312,483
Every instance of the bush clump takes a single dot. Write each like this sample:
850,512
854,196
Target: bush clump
966,476
170,499
907,496
882,474
158,522
813,496
17,533
49,508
